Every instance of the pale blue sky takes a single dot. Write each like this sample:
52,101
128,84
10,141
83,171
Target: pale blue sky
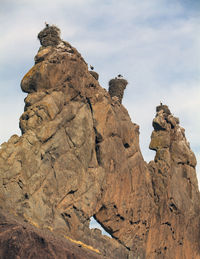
153,43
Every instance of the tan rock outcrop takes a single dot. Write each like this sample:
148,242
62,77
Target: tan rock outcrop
79,157
175,191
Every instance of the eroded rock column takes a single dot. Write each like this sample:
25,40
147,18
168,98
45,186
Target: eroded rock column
176,192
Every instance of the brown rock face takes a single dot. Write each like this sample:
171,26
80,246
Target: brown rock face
79,157
95,75
20,240
175,191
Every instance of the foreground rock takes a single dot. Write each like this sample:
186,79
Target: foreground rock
21,240
79,157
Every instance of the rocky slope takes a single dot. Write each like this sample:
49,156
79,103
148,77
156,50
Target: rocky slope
79,157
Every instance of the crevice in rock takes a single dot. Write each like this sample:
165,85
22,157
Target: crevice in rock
55,176
126,145
46,140
90,105
74,98
29,141
66,217
185,163
166,223
158,127
121,217
169,122
103,207
68,79
26,196
71,141
98,137
136,222
20,183
173,208
91,85
98,140
42,182
72,191
156,196
171,229
82,216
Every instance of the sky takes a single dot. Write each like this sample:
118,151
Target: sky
154,44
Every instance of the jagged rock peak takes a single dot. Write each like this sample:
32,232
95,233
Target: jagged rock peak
164,120
175,188
163,108
169,138
58,58
117,86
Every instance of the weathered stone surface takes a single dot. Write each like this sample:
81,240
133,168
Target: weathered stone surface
95,75
79,157
175,192
21,240
51,174
164,109
159,140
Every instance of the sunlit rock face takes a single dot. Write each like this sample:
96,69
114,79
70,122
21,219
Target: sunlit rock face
175,190
79,157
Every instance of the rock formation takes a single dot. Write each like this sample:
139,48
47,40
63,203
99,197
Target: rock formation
21,240
175,190
94,74
79,157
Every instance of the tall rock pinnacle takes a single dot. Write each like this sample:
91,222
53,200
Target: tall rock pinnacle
79,157
175,189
